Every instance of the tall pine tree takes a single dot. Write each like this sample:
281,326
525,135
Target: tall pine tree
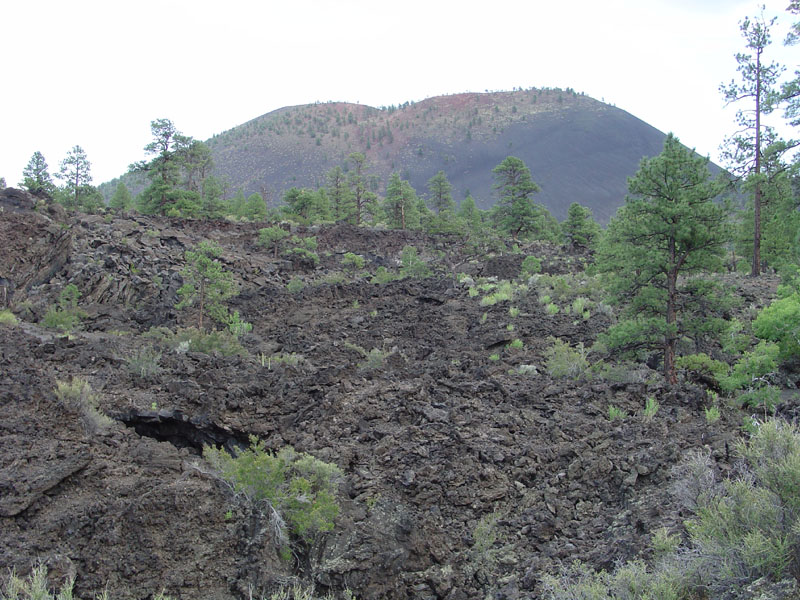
670,227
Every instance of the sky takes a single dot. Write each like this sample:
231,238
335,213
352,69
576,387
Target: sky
96,73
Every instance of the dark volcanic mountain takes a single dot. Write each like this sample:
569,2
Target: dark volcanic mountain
578,149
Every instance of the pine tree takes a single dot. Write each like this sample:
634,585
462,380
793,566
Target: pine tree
76,175
122,199
164,196
580,229
515,210
440,190
669,228
401,204
343,206
470,213
356,179
255,209
35,177
746,151
206,283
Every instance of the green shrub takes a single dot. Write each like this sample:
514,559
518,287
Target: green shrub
334,277
7,318
66,315
383,276
77,395
616,413
744,528
780,323
144,362
272,238
412,265
734,341
629,581
34,587
712,414
579,305
513,312
237,327
295,285
516,344
753,366
483,554
292,359
650,408
222,342
291,489
353,262
531,266
303,255
702,363
564,361
501,292
551,309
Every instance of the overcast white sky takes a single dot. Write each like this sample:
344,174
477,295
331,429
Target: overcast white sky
95,73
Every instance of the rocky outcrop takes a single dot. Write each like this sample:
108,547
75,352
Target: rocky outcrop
435,438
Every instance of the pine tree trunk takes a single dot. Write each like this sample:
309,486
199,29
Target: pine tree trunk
755,270
670,373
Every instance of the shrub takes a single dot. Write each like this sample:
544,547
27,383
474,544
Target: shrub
780,323
579,305
712,414
629,581
733,340
564,361
237,327
271,238
483,554
615,413
702,363
334,277
7,318
515,344
295,285
354,262
383,276
531,266
375,359
65,315
513,312
751,373
743,528
412,265
551,309
292,359
292,489
77,395
303,255
650,408
502,292
222,342
34,587
144,362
